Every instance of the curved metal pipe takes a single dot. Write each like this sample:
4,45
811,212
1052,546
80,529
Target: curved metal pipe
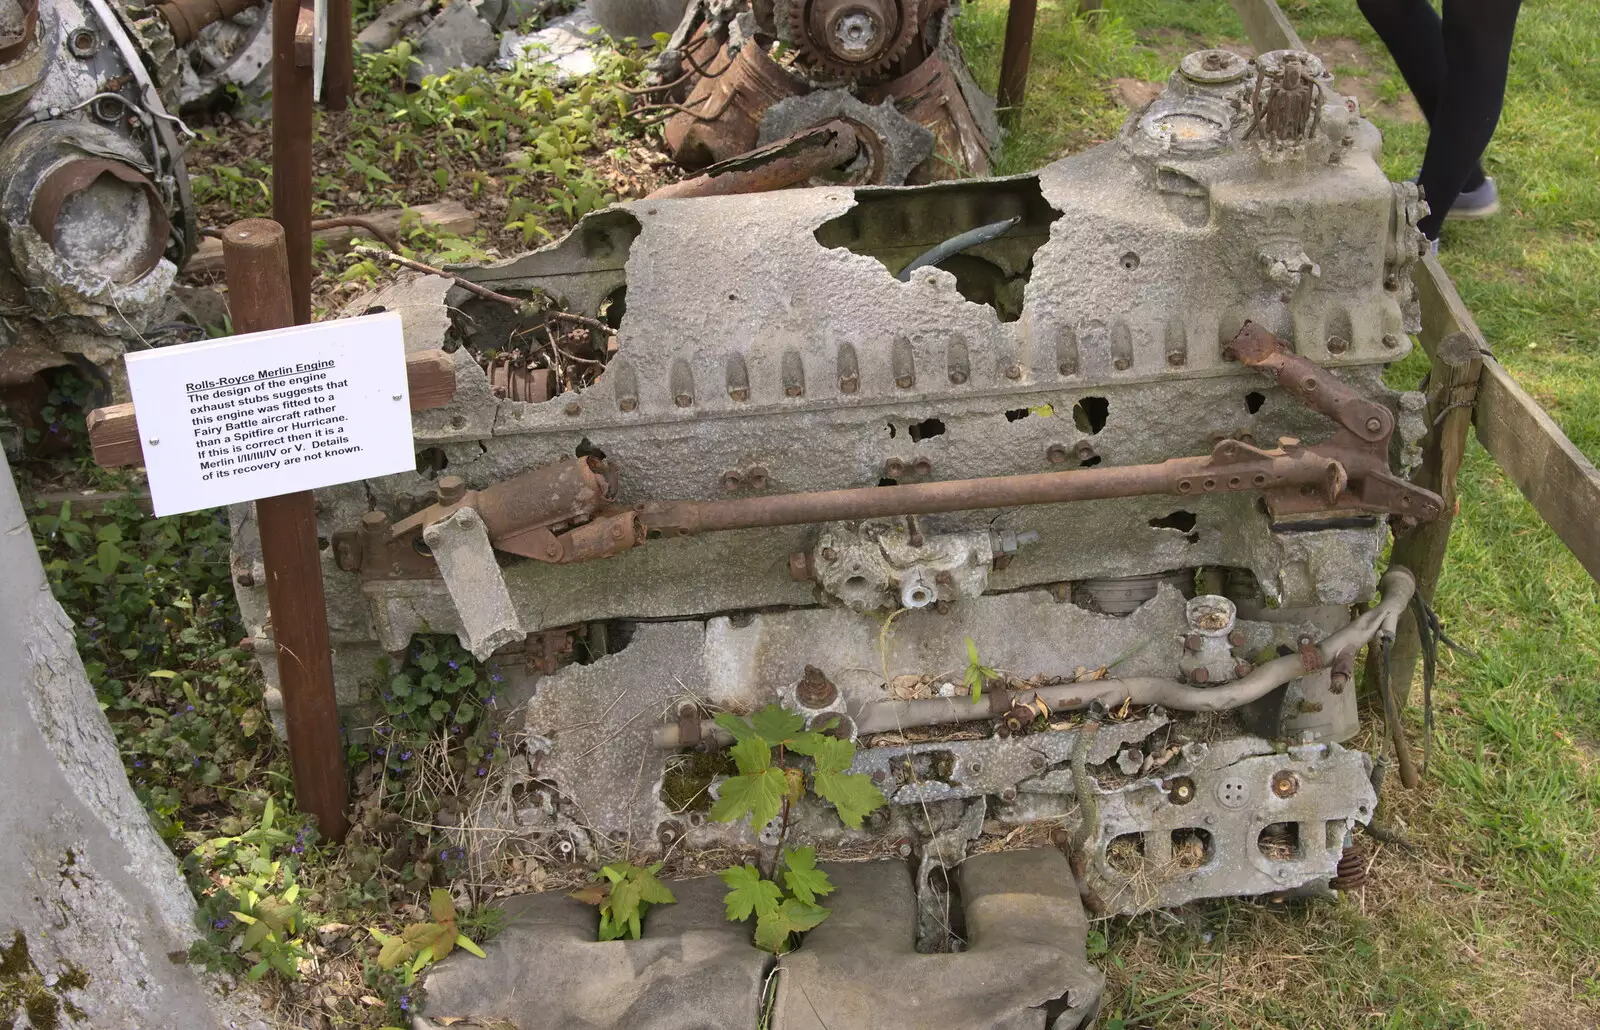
1397,586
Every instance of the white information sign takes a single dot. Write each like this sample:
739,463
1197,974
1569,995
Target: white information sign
272,413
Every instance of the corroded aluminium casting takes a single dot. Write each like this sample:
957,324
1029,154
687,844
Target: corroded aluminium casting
1398,586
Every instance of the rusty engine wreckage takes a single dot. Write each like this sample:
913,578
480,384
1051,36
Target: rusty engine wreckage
1120,424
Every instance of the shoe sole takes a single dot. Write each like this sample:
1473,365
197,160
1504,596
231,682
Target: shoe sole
1474,213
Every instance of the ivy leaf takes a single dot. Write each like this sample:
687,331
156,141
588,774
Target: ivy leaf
777,725
760,795
751,755
804,879
750,894
793,916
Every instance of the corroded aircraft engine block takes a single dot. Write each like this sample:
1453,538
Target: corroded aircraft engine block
1132,441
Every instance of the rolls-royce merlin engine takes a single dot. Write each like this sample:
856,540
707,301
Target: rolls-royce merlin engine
1062,496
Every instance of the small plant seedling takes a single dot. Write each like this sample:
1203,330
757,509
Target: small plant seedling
623,894
766,788
978,674
422,943
780,911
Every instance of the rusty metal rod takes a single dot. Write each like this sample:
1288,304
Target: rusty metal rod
291,151
259,299
773,167
1397,585
1183,476
187,17
1018,55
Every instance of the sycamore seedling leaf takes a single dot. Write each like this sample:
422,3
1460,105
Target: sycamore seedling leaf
751,755
651,890
759,789
735,725
793,916
749,894
777,725
804,880
852,795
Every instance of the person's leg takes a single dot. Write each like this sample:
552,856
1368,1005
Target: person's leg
1412,32
1477,47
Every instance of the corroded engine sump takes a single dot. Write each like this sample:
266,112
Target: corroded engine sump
1136,448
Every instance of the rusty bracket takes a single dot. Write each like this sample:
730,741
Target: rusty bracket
1360,445
787,162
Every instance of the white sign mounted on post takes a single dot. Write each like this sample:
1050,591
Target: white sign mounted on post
272,413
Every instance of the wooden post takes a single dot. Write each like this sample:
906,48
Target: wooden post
293,29
1018,55
258,299
339,66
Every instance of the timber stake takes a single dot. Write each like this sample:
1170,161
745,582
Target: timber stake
259,299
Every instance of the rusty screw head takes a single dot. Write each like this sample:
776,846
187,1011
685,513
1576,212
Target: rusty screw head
800,567
1391,341
1200,675
957,377
1009,794
627,403
1180,791
757,478
894,468
1013,371
732,479
1285,784
1036,762
1338,345
922,467
574,408
1176,358
903,848
682,400
943,578
1374,424
1056,454
741,393
245,579
1236,638
904,382
374,521
829,554
1084,450
814,690
1192,642
450,489
1122,364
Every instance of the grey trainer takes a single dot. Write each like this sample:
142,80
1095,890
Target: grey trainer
1479,203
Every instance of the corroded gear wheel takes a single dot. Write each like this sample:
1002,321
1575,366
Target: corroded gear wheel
852,38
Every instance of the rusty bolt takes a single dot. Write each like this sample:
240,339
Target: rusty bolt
922,467
669,833
732,479
1056,454
574,408
1245,436
1013,371
1062,592
1122,364
1338,345
627,404
245,579
1084,450
814,690
740,393
1037,762
1175,357
757,478
904,382
880,776
941,607
1009,794
682,400
1242,668
793,390
957,377
800,567
1347,141
449,489
1180,791
1288,443
1191,642
1236,638
1285,784
903,848
1374,424
943,578
1200,675
894,468
1391,341
829,554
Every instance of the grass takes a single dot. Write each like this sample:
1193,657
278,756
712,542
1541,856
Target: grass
1493,919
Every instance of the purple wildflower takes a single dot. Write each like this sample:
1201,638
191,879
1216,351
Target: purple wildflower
406,757
405,1003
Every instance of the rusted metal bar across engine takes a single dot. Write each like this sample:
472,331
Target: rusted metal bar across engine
774,167
187,17
1233,466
